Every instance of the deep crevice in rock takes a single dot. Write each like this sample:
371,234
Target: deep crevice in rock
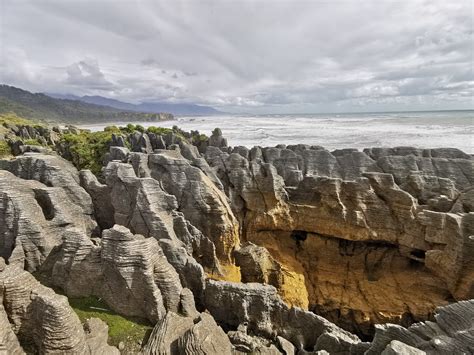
44,201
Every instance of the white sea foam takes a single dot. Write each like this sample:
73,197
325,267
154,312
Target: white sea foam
418,129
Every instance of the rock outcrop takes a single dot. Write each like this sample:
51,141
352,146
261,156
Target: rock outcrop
263,313
53,171
130,272
42,320
351,227
452,332
201,202
186,335
34,219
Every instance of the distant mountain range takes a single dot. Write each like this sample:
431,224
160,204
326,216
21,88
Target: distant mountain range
43,107
151,107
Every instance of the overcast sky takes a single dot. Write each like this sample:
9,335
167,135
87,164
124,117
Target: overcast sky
246,56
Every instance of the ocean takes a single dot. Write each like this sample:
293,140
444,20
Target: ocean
333,131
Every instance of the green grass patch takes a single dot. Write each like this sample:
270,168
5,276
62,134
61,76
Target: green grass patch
131,331
32,142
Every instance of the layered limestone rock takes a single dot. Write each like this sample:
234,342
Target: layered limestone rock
263,313
379,236
9,343
42,320
144,207
201,202
130,272
452,332
53,171
374,236
34,219
186,335
257,265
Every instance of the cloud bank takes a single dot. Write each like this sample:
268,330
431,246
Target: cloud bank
245,56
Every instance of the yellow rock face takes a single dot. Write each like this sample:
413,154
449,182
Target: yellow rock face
353,284
229,272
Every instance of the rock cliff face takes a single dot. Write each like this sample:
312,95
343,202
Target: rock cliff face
373,236
324,244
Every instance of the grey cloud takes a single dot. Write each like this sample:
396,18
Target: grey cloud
265,55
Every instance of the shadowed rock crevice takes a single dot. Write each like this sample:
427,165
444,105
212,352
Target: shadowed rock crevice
43,200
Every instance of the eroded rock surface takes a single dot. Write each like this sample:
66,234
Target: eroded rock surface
178,334
53,171
130,272
452,332
264,313
42,320
374,236
34,219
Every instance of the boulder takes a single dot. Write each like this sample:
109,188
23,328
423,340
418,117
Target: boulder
178,335
265,314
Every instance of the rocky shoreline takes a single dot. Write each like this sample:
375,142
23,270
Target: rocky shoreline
230,250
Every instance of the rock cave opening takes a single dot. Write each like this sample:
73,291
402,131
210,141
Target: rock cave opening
299,236
418,254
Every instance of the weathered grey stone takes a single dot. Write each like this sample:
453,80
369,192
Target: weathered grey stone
53,171
100,194
398,348
452,333
130,272
33,220
232,304
9,343
141,205
257,265
165,334
205,337
41,318
201,202
187,335
217,140
97,334
286,346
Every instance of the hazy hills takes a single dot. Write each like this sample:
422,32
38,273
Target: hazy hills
173,108
42,107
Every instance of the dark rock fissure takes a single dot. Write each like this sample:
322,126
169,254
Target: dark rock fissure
45,203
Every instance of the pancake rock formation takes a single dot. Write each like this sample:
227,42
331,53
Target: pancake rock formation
231,250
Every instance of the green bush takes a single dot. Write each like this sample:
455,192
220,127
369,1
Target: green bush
87,149
5,150
158,130
113,129
31,142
